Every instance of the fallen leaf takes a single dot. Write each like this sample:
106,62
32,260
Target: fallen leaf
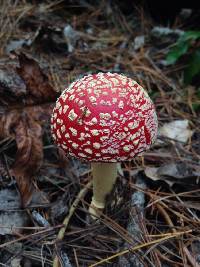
71,36
174,173
139,42
9,218
38,86
16,262
28,135
12,87
24,122
177,130
178,170
15,44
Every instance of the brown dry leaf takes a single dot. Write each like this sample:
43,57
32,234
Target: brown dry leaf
24,123
28,135
7,122
36,81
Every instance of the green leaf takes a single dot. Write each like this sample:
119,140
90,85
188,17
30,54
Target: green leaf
196,106
198,92
193,68
176,52
181,46
189,35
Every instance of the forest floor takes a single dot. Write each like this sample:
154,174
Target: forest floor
153,214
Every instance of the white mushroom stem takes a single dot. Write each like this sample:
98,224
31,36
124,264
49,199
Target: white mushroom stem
104,177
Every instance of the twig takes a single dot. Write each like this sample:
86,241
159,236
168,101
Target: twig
62,231
169,221
166,216
171,235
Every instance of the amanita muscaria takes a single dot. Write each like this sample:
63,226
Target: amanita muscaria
104,118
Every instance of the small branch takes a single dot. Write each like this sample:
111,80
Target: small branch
140,246
62,231
166,216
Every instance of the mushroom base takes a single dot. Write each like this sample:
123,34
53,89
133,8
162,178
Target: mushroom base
104,177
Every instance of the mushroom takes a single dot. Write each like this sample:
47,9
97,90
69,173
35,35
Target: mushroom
104,118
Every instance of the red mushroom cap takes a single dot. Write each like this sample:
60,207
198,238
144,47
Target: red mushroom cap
104,117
